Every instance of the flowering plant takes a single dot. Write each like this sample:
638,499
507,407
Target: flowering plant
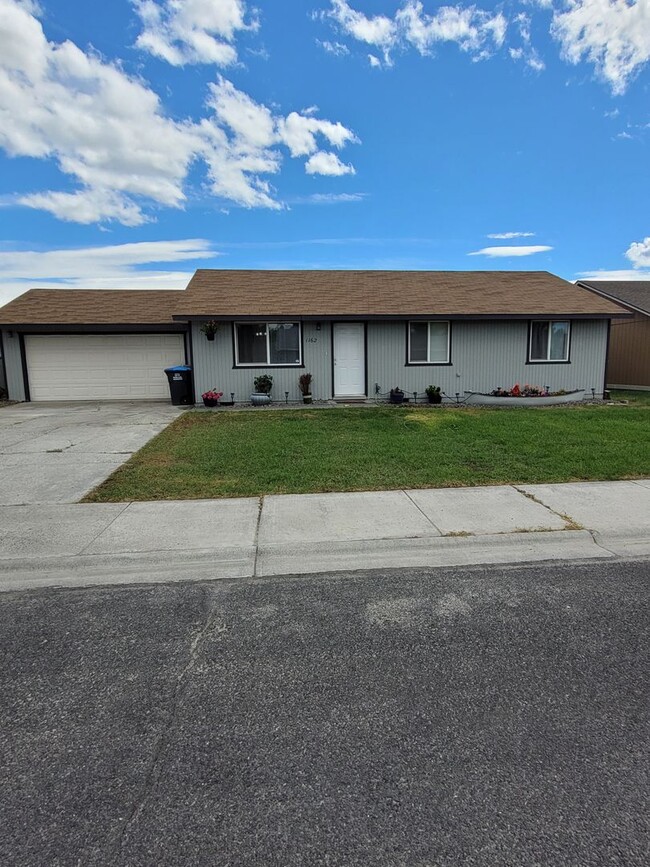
526,390
212,394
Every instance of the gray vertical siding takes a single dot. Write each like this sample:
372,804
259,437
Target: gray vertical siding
487,355
484,356
13,366
214,360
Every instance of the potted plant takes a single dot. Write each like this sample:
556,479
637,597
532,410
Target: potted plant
396,395
211,397
304,384
262,394
433,393
210,328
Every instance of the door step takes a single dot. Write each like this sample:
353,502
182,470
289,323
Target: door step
350,399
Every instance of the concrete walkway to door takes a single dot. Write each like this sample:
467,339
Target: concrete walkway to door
57,452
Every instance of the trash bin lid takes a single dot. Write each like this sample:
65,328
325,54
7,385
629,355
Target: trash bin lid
178,367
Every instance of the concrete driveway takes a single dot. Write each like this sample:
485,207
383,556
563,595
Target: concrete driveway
57,452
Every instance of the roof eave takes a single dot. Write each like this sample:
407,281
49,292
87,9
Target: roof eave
35,327
314,317
612,298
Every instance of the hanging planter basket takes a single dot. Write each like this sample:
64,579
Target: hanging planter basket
210,329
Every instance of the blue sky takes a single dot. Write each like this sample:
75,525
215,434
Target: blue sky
151,137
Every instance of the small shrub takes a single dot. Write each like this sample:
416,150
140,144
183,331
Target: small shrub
263,384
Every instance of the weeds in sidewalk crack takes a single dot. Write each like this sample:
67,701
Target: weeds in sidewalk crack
571,523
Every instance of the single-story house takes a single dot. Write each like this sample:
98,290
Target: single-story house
359,333
628,363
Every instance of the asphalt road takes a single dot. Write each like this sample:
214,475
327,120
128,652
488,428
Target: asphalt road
477,716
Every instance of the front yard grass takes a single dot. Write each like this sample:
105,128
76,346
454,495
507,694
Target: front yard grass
240,454
634,398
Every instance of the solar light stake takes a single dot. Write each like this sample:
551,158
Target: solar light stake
232,397
457,396
286,397
593,394
415,397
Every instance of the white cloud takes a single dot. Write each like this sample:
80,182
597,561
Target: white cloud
251,124
639,253
192,31
299,133
332,198
109,133
337,48
614,35
473,30
110,267
507,236
102,127
374,61
501,252
378,30
327,163
87,206
526,52
614,275
241,146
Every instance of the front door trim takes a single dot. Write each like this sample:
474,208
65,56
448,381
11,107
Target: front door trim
365,357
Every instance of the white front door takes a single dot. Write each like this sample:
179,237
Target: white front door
349,359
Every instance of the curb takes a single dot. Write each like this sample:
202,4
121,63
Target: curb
307,559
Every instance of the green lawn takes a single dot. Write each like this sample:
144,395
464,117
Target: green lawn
635,398
231,454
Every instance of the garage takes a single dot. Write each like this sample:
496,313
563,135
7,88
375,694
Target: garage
101,366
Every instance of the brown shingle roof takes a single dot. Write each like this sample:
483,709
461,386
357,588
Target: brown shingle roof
91,307
221,293
634,292
216,293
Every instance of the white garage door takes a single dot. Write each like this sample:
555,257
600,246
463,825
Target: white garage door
101,367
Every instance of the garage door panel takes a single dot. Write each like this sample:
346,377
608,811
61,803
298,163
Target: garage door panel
101,367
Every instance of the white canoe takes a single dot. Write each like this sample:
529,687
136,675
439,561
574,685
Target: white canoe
474,397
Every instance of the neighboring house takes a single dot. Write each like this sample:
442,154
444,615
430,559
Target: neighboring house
359,333
3,378
628,363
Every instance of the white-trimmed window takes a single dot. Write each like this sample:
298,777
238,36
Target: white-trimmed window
428,342
267,344
549,340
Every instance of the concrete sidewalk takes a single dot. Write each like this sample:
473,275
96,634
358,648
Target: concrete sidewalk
84,544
